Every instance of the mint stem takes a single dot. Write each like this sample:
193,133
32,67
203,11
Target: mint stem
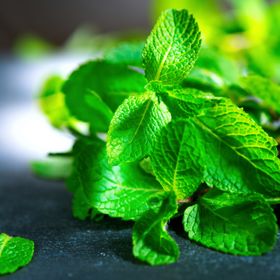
273,201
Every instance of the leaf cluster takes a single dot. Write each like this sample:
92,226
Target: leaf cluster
166,137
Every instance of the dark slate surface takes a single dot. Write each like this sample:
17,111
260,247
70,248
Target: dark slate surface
71,249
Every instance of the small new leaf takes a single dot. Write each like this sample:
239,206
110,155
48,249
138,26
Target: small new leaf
135,128
172,47
232,223
15,252
151,242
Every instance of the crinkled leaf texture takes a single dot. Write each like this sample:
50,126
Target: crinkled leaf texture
233,152
172,47
124,191
15,252
232,223
151,242
171,162
102,81
81,208
135,128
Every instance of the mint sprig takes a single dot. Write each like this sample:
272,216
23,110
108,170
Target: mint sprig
164,140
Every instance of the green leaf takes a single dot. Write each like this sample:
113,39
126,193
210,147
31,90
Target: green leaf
101,113
15,252
213,72
81,208
73,181
124,191
52,103
112,82
151,242
232,223
217,62
208,13
187,102
129,53
263,89
53,168
235,153
80,205
172,163
172,47
204,80
135,128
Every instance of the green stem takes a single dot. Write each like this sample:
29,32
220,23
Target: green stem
273,201
65,154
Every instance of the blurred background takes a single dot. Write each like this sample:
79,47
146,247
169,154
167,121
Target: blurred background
43,37
55,21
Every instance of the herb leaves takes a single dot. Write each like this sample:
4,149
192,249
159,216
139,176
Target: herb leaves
15,252
165,140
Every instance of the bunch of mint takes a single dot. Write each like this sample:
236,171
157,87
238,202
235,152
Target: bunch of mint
159,135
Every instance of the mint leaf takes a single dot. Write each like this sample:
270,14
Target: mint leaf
124,191
81,208
54,167
189,102
111,82
101,113
159,143
204,80
213,72
151,242
73,181
172,47
52,102
263,89
235,154
15,252
135,128
129,53
172,161
232,223
80,205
